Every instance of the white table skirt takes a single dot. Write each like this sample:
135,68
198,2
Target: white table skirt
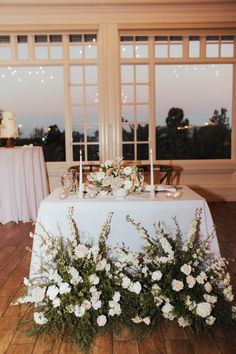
90,215
23,183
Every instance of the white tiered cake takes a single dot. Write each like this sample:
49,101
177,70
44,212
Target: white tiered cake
8,128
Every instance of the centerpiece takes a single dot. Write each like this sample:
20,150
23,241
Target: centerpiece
117,179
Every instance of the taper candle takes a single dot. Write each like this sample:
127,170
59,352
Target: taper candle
152,191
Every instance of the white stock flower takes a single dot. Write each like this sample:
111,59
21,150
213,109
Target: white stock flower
52,292
39,318
208,287
135,287
101,320
81,251
191,281
93,278
228,293
38,294
87,304
56,302
96,305
79,310
203,309
210,320
212,299
201,278
186,269
167,308
64,288
125,282
177,285
116,296
157,275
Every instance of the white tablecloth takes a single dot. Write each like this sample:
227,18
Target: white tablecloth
91,214
23,183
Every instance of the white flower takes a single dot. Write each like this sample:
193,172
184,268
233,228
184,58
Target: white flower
38,294
101,265
157,275
56,302
99,176
101,320
186,269
39,318
191,281
203,309
177,285
208,287
167,308
228,293
87,304
183,322
79,310
135,287
201,278
128,185
97,305
210,320
26,281
81,251
116,296
127,170
117,183
108,163
147,320
52,292
136,319
125,282
93,278
64,288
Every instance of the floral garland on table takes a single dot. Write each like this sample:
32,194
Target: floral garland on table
112,176
85,288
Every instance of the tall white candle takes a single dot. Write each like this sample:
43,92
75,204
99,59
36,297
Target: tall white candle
152,192
80,174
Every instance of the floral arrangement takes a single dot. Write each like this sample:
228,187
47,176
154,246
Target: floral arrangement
112,176
85,288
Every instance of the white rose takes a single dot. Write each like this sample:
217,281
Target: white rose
167,308
128,185
186,269
101,320
108,163
52,292
39,318
203,309
183,322
93,278
126,282
135,287
97,305
101,265
38,294
191,281
64,288
127,170
157,275
136,319
87,304
177,285
81,251
99,176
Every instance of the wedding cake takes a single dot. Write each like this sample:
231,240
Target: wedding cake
8,127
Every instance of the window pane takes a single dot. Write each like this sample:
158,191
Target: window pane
93,152
77,95
128,132
193,119
91,94
5,53
127,73
127,51
128,113
90,51
142,151
141,73
142,93
161,51
142,113
212,50
76,74
77,134
77,114
41,52
56,52
127,93
75,52
91,74
76,152
227,50
128,151
194,47
38,104
92,134
141,51
176,50
142,132
22,51
92,114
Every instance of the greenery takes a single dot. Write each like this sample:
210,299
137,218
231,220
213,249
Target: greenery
84,289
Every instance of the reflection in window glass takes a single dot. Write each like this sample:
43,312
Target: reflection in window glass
142,132
37,100
128,151
92,134
77,134
193,120
142,151
93,152
128,132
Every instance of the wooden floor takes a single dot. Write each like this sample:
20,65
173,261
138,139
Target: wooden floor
14,265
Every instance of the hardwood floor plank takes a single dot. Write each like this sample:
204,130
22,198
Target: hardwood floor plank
129,347
171,330
20,349
7,332
203,344
67,348
179,346
153,344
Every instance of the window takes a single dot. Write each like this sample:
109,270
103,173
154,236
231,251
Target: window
186,111
61,66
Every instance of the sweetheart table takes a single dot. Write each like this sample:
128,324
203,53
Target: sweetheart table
91,214
23,183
